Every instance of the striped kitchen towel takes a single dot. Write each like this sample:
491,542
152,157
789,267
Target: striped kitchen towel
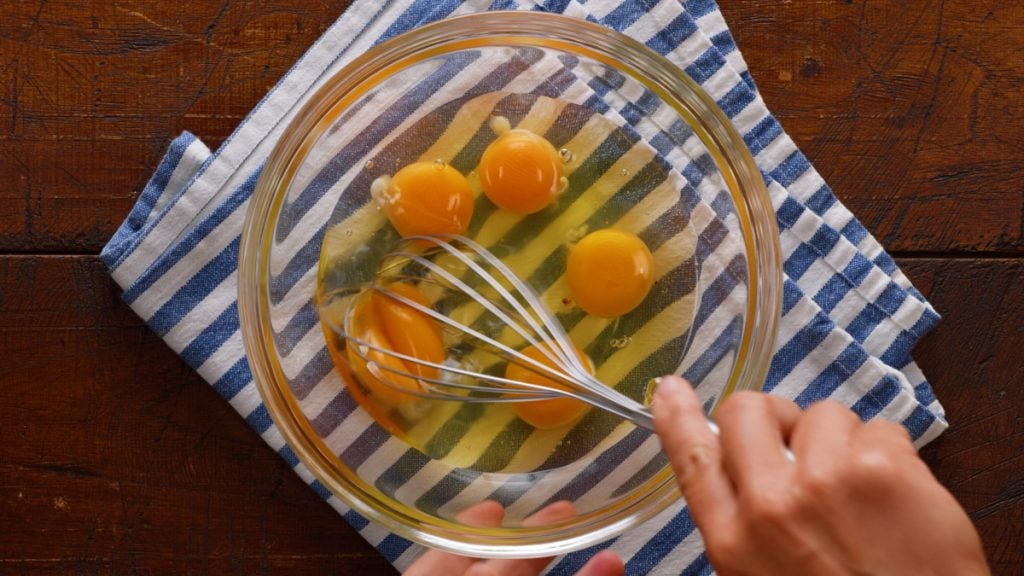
850,317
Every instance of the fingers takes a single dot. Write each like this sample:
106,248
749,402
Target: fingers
604,563
550,514
822,436
755,428
693,450
438,563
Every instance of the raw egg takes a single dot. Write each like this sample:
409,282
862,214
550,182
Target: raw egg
546,414
426,198
393,325
521,172
610,272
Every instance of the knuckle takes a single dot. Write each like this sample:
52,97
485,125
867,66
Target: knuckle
691,464
873,467
770,509
821,481
888,430
740,403
830,410
725,549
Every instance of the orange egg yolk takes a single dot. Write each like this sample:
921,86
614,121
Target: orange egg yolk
392,325
428,198
546,414
610,272
521,172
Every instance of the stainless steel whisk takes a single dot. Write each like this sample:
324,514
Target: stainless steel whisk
474,273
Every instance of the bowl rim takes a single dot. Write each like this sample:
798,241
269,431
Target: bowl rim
745,183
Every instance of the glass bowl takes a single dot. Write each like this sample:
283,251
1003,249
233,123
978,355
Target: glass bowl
642,149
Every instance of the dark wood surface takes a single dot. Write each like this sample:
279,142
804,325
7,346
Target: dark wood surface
115,458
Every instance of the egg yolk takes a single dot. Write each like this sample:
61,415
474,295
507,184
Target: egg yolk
392,325
521,172
546,414
427,198
610,272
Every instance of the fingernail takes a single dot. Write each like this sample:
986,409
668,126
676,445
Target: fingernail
666,386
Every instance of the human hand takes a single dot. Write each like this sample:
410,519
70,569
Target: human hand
856,500
490,513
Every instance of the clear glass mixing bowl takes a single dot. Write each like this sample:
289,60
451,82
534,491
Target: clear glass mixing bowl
644,149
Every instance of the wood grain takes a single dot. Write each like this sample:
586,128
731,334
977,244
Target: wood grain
116,458
92,92
973,362
911,111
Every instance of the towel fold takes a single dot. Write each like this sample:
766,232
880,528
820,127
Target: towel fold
850,317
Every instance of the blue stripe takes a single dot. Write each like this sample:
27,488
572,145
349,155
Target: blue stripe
557,6
880,396
886,263
854,232
736,99
212,337
672,34
234,380
297,327
898,352
363,446
259,419
824,239
833,376
289,456
832,293
723,347
392,546
196,289
661,544
918,422
609,459
419,12
700,8
791,296
187,244
130,231
705,66
797,348
802,258
789,212
700,566
821,200
762,134
339,408
793,167
401,471
858,268
311,374
724,42
356,520
320,489
571,563
623,16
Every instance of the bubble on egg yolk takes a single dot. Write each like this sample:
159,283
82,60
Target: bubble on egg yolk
521,172
546,414
610,272
426,198
393,325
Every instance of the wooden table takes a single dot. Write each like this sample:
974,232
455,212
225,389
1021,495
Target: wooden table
115,458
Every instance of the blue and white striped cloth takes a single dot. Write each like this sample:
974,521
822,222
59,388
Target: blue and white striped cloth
850,317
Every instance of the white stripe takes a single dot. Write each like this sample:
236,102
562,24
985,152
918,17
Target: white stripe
195,154
150,301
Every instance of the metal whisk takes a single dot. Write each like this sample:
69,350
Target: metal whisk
460,271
